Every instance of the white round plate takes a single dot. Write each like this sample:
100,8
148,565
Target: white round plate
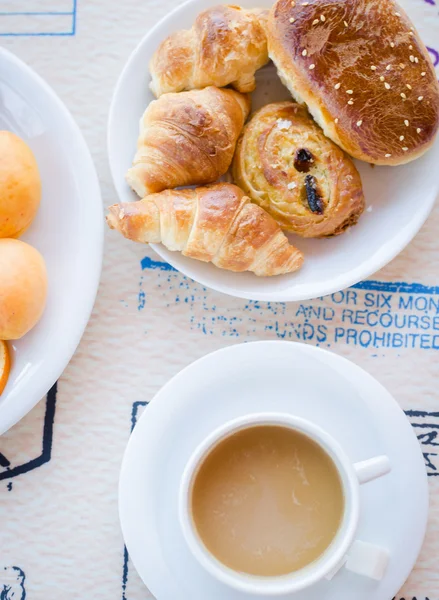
399,198
286,377
68,231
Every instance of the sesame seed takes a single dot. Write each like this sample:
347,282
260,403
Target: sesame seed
408,86
381,78
350,101
322,18
418,130
305,3
304,52
388,67
403,95
337,86
412,58
401,138
411,33
388,155
315,21
397,14
292,20
293,3
387,86
406,123
373,67
349,91
345,23
410,47
359,123
416,59
423,74
336,121
392,45
402,65
420,98
405,149
311,67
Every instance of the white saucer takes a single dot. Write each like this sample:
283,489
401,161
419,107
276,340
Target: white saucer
270,376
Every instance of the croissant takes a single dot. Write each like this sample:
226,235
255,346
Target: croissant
284,162
215,224
186,139
225,46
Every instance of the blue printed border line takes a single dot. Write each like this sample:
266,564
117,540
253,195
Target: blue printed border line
71,32
46,450
12,581
134,415
370,285
400,287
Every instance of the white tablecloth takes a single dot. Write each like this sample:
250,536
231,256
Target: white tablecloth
59,530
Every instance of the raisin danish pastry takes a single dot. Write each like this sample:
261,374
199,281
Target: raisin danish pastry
187,139
225,46
215,224
287,166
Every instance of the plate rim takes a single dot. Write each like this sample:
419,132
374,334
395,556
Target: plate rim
47,375
376,262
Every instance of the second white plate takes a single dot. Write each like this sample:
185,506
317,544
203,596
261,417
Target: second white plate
399,198
68,231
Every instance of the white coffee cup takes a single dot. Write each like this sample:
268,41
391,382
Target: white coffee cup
344,551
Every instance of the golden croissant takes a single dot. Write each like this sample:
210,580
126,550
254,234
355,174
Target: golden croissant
215,224
187,139
225,46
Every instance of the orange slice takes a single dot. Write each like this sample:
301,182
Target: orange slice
5,365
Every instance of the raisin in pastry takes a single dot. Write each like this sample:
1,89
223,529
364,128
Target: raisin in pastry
285,164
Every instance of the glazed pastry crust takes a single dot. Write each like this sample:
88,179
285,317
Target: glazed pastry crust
363,72
215,224
225,46
288,167
187,138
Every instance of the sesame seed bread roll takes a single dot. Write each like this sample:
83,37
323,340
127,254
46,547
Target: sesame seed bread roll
363,72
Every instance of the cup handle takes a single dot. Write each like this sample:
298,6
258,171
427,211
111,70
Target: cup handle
370,469
364,558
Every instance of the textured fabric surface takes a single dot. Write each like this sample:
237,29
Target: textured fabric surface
59,532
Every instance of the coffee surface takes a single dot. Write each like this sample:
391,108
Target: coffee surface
267,501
